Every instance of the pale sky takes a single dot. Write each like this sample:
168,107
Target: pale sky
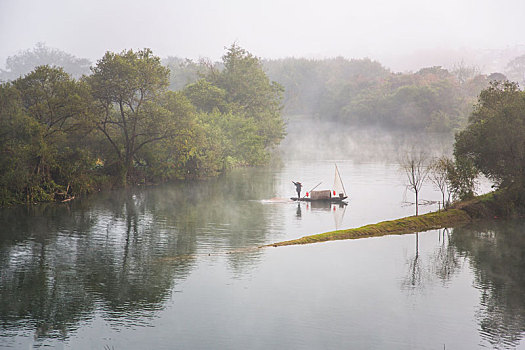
269,29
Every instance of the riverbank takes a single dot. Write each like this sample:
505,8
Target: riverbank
411,224
488,206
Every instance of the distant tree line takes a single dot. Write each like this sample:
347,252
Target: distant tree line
61,137
358,92
132,118
362,92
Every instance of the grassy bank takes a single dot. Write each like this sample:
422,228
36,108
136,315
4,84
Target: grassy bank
498,204
430,221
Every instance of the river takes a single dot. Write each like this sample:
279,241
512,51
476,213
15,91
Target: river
177,267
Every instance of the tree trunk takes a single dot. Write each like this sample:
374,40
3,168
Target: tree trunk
417,202
123,174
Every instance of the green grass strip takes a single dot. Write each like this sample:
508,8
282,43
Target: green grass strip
411,224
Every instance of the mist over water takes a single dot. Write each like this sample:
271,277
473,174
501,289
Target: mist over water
319,140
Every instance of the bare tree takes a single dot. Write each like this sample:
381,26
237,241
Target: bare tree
415,166
438,174
465,72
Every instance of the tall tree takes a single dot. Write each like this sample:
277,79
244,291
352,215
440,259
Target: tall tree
128,87
494,140
251,93
60,106
438,174
18,135
54,99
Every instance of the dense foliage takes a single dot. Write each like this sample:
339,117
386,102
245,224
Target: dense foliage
61,137
494,140
363,92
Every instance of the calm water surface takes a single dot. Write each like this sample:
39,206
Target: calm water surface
176,267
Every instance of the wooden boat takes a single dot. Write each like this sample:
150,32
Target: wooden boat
328,200
336,195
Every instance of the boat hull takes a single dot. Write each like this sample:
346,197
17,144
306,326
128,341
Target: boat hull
329,200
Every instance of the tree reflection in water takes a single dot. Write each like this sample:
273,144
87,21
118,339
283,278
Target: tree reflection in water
57,274
495,252
119,253
415,275
120,256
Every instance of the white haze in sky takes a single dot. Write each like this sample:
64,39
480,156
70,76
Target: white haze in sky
380,29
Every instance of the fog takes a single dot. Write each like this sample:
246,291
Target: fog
403,35
309,140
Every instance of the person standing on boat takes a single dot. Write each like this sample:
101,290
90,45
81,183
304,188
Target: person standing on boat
298,187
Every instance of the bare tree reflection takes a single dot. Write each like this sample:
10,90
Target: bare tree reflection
414,279
446,261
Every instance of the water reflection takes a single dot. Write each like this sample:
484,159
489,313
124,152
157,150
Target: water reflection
496,252
121,252
336,210
447,262
120,256
298,211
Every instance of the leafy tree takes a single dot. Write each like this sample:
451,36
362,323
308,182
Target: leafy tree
439,176
494,140
363,92
60,107
54,99
17,147
207,97
251,93
128,87
61,137
323,87
169,158
461,176
240,139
